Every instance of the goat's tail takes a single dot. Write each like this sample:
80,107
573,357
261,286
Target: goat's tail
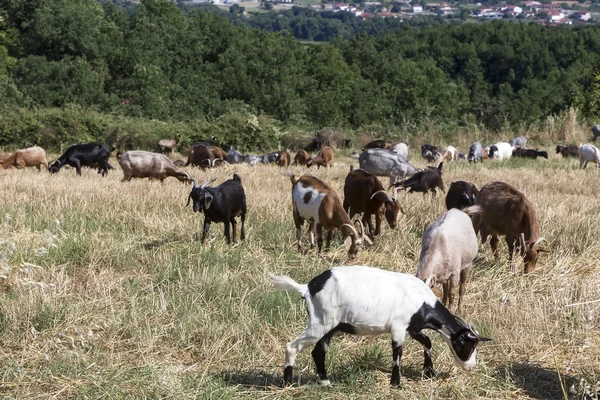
473,210
294,179
236,177
284,282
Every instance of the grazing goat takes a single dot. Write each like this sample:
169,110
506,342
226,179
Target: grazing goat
346,143
323,159
374,144
475,153
529,153
220,204
424,181
364,193
314,201
506,211
519,141
450,154
167,145
449,247
399,148
201,156
30,157
363,300
93,155
179,163
301,158
568,151
461,156
252,159
501,151
461,195
235,157
143,164
381,162
587,153
595,132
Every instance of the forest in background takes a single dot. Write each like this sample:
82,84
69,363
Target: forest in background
74,70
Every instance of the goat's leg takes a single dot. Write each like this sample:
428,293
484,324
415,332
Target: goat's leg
298,221
234,228
420,337
368,221
319,234
205,232
397,342
510,242
445,292
243,231
464,278
318,355
329,238
227,232
494,242
452,283
311,234
291,351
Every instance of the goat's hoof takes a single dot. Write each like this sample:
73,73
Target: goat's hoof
429,373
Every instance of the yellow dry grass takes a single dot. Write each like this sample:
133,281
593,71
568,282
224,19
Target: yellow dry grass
119,300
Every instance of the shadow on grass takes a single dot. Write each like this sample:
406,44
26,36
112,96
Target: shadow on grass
540,383
259,380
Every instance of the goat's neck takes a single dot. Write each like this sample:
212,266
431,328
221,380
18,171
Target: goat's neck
437,318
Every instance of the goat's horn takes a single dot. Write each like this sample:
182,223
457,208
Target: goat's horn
205,184
195,183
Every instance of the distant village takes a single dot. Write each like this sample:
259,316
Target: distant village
547,14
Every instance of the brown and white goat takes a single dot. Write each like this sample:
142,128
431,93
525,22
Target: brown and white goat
30,157
323,159
314,201
218,152
364,193
506,211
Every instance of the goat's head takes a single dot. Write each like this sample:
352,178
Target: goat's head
463,344
354,240
530,253
202,198
559,149
54,168
390,207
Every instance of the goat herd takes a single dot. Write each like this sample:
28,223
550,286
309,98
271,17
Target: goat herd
359,299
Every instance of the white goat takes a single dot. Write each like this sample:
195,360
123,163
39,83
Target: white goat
451,153
449,247
370,301
587,153
500,151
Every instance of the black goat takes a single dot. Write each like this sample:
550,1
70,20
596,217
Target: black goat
316,144
529,153
220,204
431,153
424,181
568,151
346,143
93,155
461,195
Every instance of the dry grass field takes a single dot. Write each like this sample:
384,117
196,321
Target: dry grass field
107,293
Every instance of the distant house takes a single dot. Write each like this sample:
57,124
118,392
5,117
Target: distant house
417,8
554,15
581,16
530,4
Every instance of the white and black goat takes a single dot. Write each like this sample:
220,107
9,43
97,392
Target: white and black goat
220,204
370,301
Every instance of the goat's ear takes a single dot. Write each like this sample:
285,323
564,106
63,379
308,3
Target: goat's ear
208,198
348,243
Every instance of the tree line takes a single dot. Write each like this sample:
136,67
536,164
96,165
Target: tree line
161,62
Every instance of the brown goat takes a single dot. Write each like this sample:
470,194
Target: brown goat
364,193
200,156
323,159
301,158
284,159
314,201
167,145
218,152
506,211
30,157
